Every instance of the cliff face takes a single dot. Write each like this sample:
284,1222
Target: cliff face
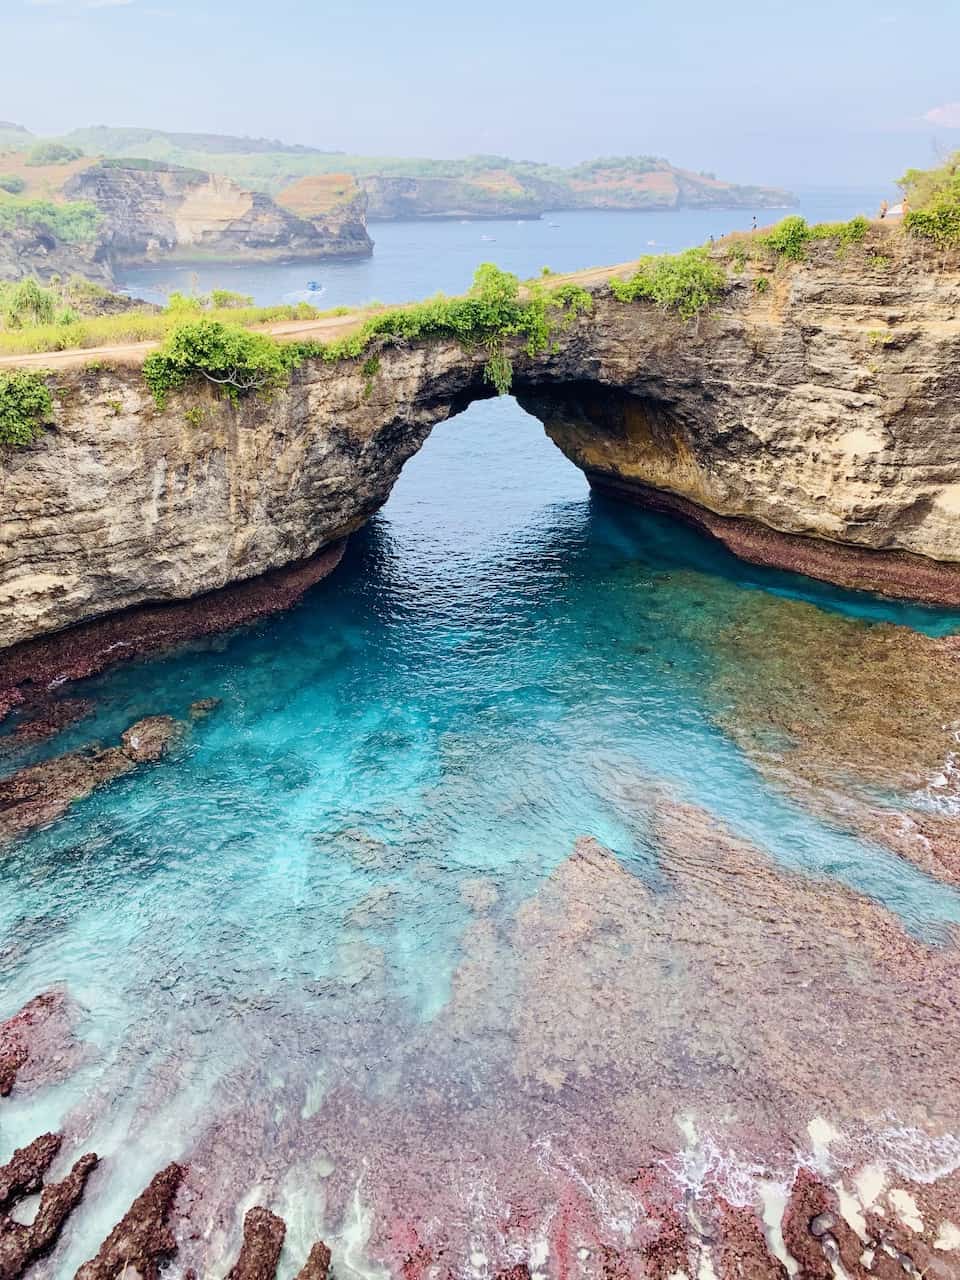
815,425
174,213
37,251
503,193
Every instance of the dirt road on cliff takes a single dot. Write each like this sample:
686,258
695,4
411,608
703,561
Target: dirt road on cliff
325,329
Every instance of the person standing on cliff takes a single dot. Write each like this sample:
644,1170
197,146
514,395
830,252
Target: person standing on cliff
754,226
883,208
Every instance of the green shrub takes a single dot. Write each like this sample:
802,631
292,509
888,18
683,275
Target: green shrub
791,236
25,406
13,185
226,299
75,222
27,303
233,359
934,202
684,282
52,153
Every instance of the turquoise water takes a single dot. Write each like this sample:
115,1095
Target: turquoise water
279,922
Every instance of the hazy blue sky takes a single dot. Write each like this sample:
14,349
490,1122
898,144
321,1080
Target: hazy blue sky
839,92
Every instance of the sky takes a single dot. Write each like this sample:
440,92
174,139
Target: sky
846,93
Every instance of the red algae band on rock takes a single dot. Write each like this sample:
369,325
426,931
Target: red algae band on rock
84,650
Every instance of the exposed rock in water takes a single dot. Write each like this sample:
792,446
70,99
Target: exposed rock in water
150,739
141,1240
41,793
317,1265
24,1173
263,1234
44,718
37,1045
21,1244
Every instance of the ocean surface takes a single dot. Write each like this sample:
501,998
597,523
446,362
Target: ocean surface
336,951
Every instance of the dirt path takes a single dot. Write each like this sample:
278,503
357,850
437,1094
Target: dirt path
324,330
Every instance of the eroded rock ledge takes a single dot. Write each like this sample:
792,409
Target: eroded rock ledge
814,425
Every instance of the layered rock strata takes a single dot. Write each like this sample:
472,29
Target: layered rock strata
151,210
813,426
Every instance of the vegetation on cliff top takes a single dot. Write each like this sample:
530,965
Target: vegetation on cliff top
25,406
683,282
74,222
494,310
933,197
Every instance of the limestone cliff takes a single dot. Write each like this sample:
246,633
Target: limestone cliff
815,424
152,210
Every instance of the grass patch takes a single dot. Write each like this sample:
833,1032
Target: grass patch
71,331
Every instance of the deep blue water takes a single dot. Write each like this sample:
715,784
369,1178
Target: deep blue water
501,664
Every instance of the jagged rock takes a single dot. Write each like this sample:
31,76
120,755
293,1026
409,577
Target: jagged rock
141,1240
23,1174
151,738
263,1234
317,1265
21,1244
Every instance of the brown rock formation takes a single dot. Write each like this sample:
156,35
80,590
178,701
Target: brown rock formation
141,1240
84,650
263,1234
317,1265
21,1244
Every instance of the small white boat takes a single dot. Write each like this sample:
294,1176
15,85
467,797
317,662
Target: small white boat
489,239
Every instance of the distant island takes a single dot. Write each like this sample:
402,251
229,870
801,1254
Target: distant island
477,186
102,198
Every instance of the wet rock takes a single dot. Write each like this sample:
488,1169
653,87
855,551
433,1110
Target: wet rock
24,1173
200,709
141,1241
44,719
42,793
151,738
21,1244
813,1203
317,1265
741,1252
263,1234
37,1044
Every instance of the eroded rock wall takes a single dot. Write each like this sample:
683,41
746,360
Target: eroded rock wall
819,419
171,212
